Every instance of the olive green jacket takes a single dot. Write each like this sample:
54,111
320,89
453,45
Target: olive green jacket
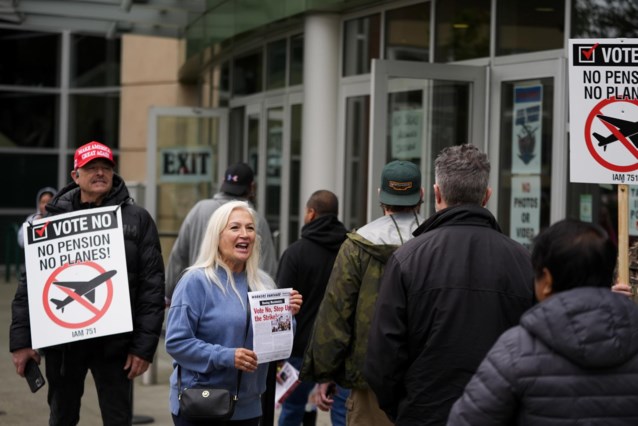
338,345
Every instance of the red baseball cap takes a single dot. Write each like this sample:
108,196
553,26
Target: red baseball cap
92,151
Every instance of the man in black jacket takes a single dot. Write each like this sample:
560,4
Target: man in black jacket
306,266
116,359
445,297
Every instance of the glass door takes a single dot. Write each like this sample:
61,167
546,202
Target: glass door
269,131
416,110
184,162
528,147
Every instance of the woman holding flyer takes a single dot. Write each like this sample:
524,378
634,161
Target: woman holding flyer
208,331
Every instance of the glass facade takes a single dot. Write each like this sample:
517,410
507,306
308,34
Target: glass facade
356,162
30,58
407,33
295,218
527,111
462,30
296,60
96,61
524,27
28,119
361,44
38,107
276,61
247,74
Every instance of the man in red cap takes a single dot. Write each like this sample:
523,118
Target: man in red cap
116,359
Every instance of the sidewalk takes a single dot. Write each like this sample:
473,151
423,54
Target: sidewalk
20,407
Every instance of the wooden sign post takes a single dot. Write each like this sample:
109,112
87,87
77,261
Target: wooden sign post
623,235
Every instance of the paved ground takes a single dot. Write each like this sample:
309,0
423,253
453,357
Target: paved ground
18,406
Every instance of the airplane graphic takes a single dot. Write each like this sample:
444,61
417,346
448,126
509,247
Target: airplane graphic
82,288
629,129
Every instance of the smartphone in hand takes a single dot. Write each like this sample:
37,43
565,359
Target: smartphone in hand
34,376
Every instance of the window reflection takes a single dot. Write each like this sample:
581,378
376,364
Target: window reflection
33,171
28,120
356,167
29,58
294,218
96,61
462,30
361,44
296,60
525,157
274,154
276,64
95,117
425,116
595,19
407,33
524,26
247,78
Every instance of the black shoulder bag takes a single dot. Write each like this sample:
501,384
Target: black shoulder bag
201,404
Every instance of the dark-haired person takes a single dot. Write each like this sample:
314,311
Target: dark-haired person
574,358
306,266
238,184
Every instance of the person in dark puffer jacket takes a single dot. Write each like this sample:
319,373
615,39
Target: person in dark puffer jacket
574,358
116,359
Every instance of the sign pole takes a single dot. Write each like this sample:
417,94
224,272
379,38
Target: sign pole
623,234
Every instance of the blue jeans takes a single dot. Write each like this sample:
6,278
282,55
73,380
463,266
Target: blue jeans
338,410
294,407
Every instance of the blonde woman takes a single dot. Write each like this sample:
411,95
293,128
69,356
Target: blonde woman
206,328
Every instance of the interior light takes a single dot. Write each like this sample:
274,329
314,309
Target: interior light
460,26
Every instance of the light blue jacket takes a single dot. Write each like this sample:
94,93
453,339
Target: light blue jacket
204,328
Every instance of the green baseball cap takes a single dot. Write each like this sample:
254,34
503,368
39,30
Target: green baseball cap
400,184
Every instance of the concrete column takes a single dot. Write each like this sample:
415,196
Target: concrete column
319,151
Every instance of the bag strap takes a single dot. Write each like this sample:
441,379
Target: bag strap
239,372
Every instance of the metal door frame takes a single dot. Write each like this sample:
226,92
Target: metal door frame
151,144
382,71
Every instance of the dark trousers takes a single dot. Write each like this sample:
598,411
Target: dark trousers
181,421
66,369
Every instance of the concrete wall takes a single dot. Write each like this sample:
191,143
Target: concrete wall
149,77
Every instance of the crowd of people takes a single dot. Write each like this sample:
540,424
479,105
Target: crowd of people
407,320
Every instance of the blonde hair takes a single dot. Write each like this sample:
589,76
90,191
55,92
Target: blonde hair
209,258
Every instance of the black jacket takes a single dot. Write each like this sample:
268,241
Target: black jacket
445,297
305,266
572,361
145,268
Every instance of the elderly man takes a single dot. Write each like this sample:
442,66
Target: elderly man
116,359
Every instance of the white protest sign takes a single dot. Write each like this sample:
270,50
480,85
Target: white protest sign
76,276
271,318
603,103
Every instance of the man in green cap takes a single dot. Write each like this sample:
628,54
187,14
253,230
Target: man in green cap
337,348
